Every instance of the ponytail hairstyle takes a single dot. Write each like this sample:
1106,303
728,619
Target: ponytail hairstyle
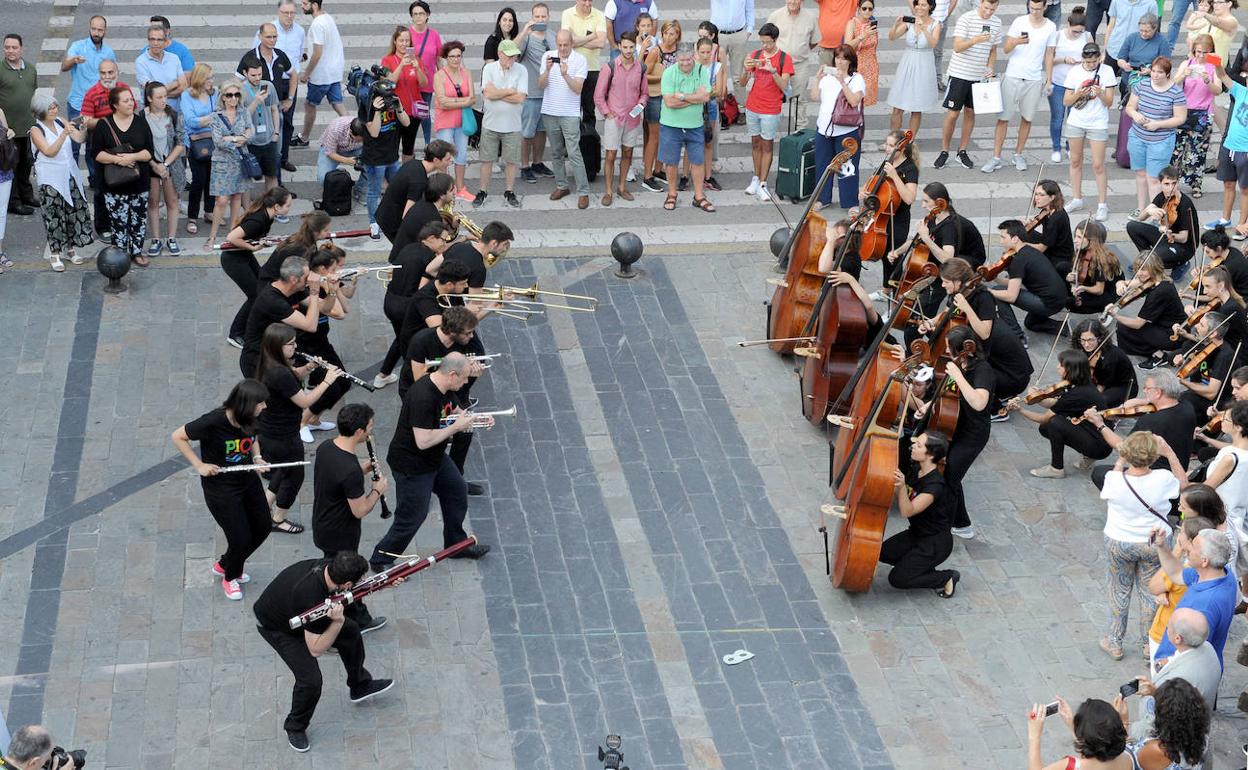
149,91
273,197
937,191
911,151
310,227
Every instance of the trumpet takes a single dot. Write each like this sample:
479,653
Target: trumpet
479,419
507,297
457,221
486,361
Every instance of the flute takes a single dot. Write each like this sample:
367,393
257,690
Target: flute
372,458
323,364
260,467
486,361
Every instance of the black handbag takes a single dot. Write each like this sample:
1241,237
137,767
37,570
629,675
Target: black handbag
248,164
201,146
8,150
116,175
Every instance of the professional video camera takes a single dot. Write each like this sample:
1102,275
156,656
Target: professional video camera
367,85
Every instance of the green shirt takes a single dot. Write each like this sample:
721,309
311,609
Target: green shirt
17,88
675,81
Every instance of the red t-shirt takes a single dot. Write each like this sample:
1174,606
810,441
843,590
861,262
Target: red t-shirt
765,97
408,87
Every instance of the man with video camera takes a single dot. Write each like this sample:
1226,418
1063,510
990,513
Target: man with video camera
383,114
31,749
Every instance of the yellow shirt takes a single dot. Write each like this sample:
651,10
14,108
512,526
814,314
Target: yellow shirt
582,25
1162,619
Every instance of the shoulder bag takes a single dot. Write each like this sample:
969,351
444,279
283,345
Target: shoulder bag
116,175
844,114
249,164
420,107
1163,519
8,150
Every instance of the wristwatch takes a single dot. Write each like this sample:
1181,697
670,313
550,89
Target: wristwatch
680,96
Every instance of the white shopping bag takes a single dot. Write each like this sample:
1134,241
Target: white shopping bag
986,97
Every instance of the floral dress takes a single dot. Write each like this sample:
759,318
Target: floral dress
868,64
227,170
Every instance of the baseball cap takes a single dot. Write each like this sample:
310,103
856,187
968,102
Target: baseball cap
509,47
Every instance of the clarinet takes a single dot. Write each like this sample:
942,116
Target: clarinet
372,458
323,364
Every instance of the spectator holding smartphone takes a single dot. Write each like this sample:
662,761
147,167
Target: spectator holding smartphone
1201,86
862,33
1098,731
975,40
770,70
1030,44
405,71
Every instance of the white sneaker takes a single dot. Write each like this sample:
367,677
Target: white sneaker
753,188
374,231
632,174
992,166
1020,163
232,591
324,425
966,533
1075,205
305,434
1055,156
763,195
382,380
1102,212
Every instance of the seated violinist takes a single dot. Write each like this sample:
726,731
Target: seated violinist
1220,253
1174,235
1149,331
835,247
1034,285
927,506
1073,395
1207,364
1216,294
1158,410
1211,432
1049,230
1096,271
946,234
1112,370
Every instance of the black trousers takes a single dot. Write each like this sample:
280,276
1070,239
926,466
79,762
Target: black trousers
243,269
395,308
411,508
23,188
1116,395
1062,434
201,177
243,515
588,110
1009,385
1097,9
915,559
1144,235
962,453
285,483
1146,340
288,123
320,346
293,650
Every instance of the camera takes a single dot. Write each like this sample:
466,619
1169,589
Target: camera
367,84
384,90
65,759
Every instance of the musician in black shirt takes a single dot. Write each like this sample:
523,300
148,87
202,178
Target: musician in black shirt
314,228
296,589
1112,370
227,436
1054,420
1035,286
1178,243
327,262
453,335
238,260
439,195
927,506
1149,330
407,187
1204,385
1173,420
495,240
1094,275
415,265
1051,233
424,311
280,302
1219,251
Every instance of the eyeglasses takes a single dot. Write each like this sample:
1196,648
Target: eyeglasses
455,56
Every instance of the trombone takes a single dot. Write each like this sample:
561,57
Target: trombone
479,419
384,273
506,296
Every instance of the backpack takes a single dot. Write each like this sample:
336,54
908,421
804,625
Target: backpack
8,151
336,194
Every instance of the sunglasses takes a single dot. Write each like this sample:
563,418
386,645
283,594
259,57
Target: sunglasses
231,95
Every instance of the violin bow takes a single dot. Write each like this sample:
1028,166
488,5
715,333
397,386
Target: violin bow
1222,388
1049,358
1031,196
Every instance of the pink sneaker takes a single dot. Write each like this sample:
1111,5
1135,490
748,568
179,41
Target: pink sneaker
216,570
232,591
463,194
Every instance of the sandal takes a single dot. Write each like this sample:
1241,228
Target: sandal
192,227
607,199
704,204
140,260
670,203
1111,651
285,525
73,257
57,265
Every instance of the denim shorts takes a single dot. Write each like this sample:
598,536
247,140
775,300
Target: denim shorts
765,126
654,107
1150,157
672,140
332,90
531,118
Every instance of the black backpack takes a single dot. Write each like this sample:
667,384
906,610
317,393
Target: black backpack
336,194
8,151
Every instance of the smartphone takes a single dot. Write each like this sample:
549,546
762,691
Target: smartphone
875,22
1051,709
986,28
1024,35
908,19
1214,59
539,27
1130,688
555,59
411,50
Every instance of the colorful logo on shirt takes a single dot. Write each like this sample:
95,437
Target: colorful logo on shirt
238,450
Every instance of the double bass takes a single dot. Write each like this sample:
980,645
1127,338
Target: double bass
793,302
882,200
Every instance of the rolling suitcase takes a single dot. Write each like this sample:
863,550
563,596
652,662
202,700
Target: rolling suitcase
795,166
591,149
1121,155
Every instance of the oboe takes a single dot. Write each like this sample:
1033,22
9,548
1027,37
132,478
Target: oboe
322,363
381,580
372,458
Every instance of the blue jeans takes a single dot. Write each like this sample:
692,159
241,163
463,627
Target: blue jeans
825,150
324,165
375,175
427,123
412,495
1057,116
1054,14
457,137
73,113
1179,10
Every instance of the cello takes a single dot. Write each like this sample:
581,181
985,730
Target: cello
796,295
882,199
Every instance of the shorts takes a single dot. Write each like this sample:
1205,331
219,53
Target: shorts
1233,167
316,93
1150,157
672,140
613,136
531,118
654,108
269,155
496,143
1020,97
958,94
1095,134
765,126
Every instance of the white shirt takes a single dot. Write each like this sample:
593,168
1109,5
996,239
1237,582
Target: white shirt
1067,48
324,32
499,114
289,42
1026,61
829,89
1127,520
1094,115
558,100
1234,490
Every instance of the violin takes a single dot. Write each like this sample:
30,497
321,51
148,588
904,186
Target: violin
1130,295
1214,426
882,200
1118,413
1083,266
1172,209
1195,357
1082,99
1035,221
1199,272
990,272
1041,394
1190,322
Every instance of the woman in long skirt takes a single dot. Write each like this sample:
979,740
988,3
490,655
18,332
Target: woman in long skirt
61,189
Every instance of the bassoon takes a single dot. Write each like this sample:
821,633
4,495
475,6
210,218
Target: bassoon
377,582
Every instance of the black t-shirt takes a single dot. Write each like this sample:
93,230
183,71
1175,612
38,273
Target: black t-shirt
1006,352
408,184
281,417
1177,425
424,406
256,225
1235,330
1114,369
423,305
413,260
1039,277
973,424
223,444
295,590
491,47
336,478
409,230
1077,400
424,345
970,242
383,149
271,270
1237,266
1218,366
937,518
1162,306
138,137
466,254
1183,222
908,173
946,232
319,339
1055,234
985,306
271,306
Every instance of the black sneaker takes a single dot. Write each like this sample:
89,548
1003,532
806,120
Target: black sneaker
511,199
652,184
683,184
661,176
527,175
475,489
478,201
374,687
965,159
298,141
298,740
941,159
712,184
541,170
374,624
475,551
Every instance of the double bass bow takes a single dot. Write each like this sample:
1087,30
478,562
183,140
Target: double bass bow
881,201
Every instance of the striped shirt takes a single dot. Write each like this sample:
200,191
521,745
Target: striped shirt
1157,105
972,63
337,137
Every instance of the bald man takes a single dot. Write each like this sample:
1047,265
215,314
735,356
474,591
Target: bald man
1194,659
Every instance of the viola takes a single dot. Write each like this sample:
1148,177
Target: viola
1041,394
1195,357
1118,413
882,199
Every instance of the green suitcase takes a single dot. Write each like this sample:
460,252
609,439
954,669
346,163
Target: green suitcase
795,167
